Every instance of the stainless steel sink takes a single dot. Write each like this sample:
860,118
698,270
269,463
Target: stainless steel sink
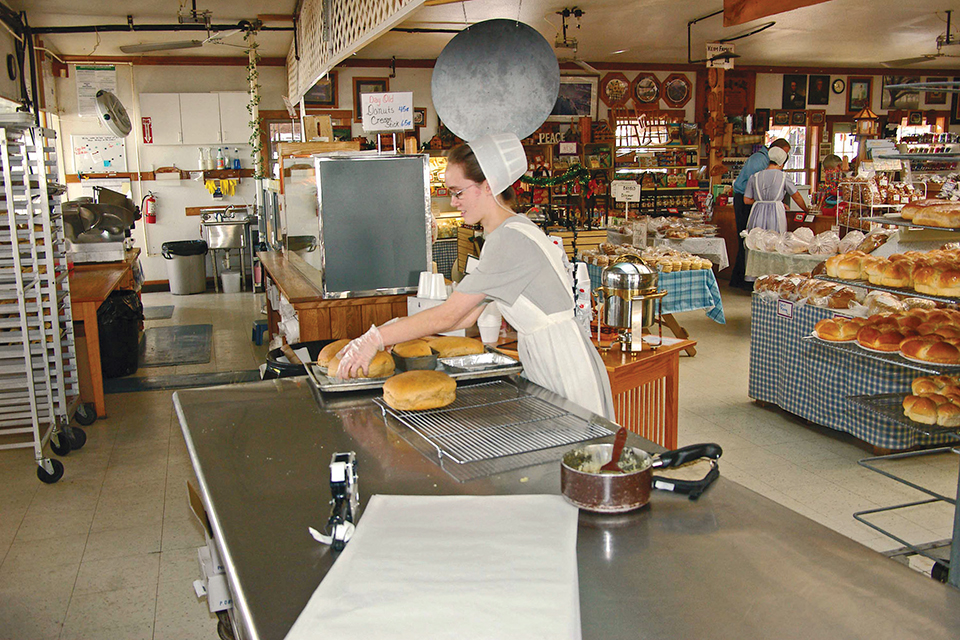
225,234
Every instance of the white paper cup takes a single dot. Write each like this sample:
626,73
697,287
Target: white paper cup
489,333
439,289
423,287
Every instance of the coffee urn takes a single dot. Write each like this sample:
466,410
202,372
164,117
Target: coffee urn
629,289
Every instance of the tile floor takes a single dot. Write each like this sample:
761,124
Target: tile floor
109,552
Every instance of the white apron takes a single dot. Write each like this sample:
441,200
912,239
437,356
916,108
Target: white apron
554,352
770,214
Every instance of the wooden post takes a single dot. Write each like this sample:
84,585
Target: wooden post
716,122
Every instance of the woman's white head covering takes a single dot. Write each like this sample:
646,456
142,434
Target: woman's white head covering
777,155
501,158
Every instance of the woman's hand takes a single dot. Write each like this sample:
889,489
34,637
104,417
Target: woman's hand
356,356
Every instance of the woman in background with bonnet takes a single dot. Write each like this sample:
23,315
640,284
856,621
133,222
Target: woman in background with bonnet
520,269
766,191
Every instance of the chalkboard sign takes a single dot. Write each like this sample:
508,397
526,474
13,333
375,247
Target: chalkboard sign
374,223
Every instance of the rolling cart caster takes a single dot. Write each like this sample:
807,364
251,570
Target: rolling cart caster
50,470
224,628
940,571
85,415
76,436
60,443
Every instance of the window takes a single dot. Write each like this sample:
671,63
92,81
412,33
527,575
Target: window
796,167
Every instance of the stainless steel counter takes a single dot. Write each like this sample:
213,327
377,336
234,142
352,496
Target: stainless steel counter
734,564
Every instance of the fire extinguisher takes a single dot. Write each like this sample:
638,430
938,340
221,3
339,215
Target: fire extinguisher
149,207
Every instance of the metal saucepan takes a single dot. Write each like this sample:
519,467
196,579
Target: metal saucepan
586,487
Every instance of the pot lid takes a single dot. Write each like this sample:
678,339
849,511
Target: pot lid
632,273
493,77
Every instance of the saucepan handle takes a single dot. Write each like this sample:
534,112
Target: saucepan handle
683,455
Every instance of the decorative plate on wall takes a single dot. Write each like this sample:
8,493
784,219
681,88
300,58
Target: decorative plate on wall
614,90
839,85
677,90
646,91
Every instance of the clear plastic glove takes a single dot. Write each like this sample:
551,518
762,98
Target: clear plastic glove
358,353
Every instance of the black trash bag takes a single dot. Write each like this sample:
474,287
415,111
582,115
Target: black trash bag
118,321
183,248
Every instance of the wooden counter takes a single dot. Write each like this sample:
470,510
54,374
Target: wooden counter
90,284
322,319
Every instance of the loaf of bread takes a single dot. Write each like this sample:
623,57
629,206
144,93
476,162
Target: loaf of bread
886,338
837,329
451,346
933,213
412,349
930,349
896,274
419,390
848,267
329,351
381,366
872,269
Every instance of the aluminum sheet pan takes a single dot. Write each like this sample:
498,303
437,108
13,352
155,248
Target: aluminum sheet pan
499,365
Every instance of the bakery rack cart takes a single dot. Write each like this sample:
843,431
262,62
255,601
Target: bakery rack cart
39,385
944,553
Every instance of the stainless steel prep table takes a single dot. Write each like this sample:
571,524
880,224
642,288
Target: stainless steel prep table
734,564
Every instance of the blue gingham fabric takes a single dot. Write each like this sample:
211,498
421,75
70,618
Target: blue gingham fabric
813,382
686,291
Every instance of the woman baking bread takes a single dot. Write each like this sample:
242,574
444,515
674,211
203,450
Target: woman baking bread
520,269
766,190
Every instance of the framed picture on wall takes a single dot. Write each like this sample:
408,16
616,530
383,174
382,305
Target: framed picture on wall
859,93
818,91
419,116
955,107
324,93
577,98
367,85
905,98
935,97
798,118
915,118
646,91
818,117
781,118
677,90
761,119
794,92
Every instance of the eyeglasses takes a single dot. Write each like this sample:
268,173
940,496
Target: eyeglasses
459,194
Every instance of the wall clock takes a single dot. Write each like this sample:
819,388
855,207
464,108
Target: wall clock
839,85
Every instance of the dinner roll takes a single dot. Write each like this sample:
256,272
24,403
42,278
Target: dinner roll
380,367
412,349
837,330
419,390
450,346
880,338
329,351
920,409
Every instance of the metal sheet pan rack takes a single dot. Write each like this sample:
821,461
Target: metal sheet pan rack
860,208
946,567
39,380
900,222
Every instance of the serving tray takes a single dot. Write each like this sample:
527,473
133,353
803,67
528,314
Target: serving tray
491,364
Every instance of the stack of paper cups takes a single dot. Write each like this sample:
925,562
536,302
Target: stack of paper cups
425,284
489,323
438,289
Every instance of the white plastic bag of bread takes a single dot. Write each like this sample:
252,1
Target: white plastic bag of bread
790,244
850,241
824,244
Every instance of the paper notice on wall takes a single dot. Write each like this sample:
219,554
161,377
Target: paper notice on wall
99,154
387,111
91,79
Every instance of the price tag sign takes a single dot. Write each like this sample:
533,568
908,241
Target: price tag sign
625,191
810,217
387,111
785,309
798,217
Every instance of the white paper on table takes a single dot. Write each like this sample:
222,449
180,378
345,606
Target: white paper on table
304,354
655,340
460,567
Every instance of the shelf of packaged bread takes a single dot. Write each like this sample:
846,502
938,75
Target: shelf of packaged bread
890,406
900,222
894,358
900,291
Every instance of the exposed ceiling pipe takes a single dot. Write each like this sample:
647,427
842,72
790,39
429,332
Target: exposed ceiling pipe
110,28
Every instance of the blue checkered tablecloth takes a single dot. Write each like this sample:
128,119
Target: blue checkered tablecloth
686,291
813,382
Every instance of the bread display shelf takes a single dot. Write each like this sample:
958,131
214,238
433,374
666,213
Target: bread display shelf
890,406
910,293
496,365
852,348
900,222
945,157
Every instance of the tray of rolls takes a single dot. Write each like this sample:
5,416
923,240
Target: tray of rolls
932,213
924,339
931,274
932,407
457,357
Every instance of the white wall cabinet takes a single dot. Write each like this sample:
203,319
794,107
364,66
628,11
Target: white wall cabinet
163,109
197,118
